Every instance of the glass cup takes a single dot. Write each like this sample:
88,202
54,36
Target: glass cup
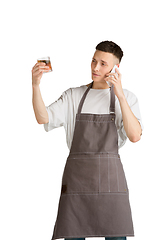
47,61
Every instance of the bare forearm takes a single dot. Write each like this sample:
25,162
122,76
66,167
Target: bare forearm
38,106
131,124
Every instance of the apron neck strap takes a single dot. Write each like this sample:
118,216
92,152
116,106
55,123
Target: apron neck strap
112,99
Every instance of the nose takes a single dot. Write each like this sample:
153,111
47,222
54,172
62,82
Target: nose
96,68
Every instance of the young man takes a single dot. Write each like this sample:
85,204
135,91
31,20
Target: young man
94,199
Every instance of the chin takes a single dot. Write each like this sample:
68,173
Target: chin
98,80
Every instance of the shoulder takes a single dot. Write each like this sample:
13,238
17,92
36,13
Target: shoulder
75,91
130,97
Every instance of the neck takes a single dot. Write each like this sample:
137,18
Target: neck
100,85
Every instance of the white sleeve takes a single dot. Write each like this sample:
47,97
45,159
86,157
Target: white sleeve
57,112
134,106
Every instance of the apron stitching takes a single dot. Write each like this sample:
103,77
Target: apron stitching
96,114
113,153
117,235
99,174
108,178
89,193
70,158
117,174
95,121
125,183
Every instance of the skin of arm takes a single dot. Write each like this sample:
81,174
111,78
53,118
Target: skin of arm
39,106
131,124
37,101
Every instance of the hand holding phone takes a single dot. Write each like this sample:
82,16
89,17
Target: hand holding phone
113,71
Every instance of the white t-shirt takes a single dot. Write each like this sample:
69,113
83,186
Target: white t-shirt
63,111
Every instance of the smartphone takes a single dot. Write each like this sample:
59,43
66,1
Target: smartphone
113,71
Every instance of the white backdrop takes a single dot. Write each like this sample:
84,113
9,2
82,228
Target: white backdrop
32,161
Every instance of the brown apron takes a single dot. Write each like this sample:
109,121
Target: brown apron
94,200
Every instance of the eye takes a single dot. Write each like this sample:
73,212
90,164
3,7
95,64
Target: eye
93,60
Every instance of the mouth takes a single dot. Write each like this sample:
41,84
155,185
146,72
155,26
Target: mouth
94,74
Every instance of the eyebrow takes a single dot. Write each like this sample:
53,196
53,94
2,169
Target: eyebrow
101,61
104,61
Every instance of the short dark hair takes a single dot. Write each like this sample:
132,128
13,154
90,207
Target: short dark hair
110,47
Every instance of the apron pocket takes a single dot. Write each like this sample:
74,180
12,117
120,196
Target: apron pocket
98,174
81,175
112,177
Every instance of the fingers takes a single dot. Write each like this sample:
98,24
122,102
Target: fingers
111,77
117,71
40,67
37,72
111,80
38,75
115,76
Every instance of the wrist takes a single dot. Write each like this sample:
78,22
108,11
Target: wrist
35,86
121,97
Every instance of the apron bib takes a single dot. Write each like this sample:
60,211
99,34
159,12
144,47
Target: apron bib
94,199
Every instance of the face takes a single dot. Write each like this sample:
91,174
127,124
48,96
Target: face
102,63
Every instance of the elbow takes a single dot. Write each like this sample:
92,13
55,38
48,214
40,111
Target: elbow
42,121
39,122
135,138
